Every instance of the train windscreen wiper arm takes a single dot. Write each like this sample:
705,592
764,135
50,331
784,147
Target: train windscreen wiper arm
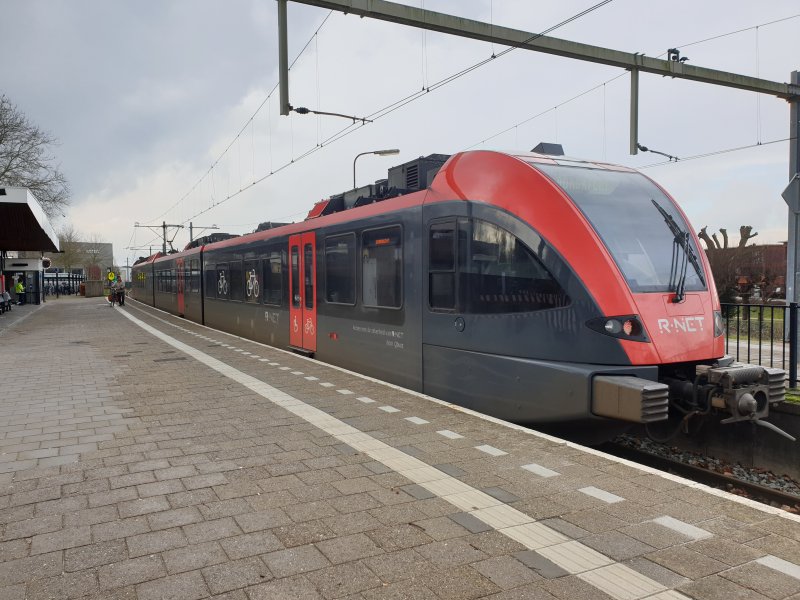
681,239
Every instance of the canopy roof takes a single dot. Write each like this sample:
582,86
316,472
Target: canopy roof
23,224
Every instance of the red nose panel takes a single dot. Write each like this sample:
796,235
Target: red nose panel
680,332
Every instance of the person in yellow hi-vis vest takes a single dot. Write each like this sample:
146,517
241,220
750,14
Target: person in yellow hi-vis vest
19,289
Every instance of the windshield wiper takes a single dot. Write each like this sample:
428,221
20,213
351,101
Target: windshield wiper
677,275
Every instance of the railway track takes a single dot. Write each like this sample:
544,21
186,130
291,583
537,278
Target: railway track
727,482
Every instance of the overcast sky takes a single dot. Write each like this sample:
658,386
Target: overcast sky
145,96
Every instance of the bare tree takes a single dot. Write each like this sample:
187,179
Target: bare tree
712,242
25,159
97,261
745,233
71,254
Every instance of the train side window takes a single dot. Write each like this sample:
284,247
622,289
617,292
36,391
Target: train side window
382,267
500,274
273,278
253,281
173,286
340,269
194,277
223,281
295,258
236,280
308,274
211,282
442,266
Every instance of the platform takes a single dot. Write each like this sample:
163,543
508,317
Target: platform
142,456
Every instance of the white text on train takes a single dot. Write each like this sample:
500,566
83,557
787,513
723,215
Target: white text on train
680,324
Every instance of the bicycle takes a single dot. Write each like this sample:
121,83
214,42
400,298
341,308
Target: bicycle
252,284
222,284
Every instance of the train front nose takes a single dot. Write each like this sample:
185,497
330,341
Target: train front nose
687,331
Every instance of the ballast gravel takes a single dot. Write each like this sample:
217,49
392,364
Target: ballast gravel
759,476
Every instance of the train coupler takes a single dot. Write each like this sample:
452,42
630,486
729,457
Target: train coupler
744,391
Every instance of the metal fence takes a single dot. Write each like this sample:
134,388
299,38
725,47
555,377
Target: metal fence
62,284
763,334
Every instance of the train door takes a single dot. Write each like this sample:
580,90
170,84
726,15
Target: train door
302,291
180,275
446,330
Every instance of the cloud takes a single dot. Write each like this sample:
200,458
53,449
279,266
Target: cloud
146,96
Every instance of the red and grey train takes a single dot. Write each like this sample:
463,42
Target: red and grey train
532,287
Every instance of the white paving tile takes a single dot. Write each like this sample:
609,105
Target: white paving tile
284,368
603,495
621,582
778,564
491,450
423,474
534,535
389,409
502,516
452,435
311,378
274,364
540,470
326,384
344,392
683,528
574,557
297,372
365,399
471,500
417,420
399,461
263,359
447,487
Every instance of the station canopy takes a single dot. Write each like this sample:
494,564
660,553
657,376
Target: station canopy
23,224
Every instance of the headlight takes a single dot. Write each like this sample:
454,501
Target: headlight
719,323
627,327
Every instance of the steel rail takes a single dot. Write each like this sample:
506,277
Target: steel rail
754,491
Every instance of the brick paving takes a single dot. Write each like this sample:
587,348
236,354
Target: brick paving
129,469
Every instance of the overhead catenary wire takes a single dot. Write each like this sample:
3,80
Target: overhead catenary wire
716,153
388,109
247,123
619,76
399,103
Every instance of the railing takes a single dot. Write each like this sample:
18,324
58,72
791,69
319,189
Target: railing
758,334
63,285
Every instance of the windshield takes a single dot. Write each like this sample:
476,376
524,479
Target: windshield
623,209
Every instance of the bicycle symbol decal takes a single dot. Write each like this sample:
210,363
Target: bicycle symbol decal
222,284
252,284
309,327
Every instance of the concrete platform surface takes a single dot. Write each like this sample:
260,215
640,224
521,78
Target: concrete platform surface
142,456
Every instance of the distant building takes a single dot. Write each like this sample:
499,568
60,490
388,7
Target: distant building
83,258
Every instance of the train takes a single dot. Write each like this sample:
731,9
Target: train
534,287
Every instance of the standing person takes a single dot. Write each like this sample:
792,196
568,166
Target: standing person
119,287
19,289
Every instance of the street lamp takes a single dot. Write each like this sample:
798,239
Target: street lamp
378,152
